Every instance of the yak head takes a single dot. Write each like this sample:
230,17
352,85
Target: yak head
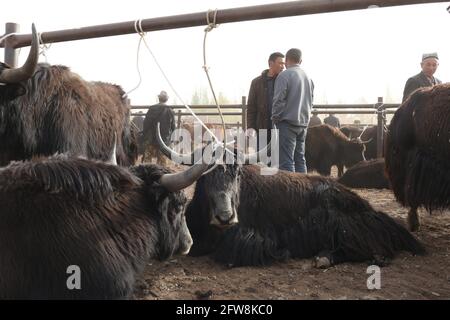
354,152
219,186
12,79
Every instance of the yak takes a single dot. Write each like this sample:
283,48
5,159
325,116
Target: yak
62,211
288,215
417,151
47,109
368,134
326,146
245,218
366,174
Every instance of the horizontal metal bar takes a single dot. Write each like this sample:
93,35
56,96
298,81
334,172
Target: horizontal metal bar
267,11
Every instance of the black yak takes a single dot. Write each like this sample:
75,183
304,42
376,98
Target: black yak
246,218
288,215
366,174
326,146
369,134
107,220
417,151
46,109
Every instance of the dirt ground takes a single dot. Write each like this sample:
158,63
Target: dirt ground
406,277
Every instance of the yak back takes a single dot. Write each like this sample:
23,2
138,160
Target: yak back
59,212
366,174
418,149
60,112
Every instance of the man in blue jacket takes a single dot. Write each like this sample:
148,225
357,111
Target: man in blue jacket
291,111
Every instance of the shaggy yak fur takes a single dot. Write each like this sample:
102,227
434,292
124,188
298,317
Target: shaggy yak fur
418,151
366,174
107,220
289,215
56,111
327,146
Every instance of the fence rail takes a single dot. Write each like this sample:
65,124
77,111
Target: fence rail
380,109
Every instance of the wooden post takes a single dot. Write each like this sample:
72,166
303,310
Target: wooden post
244,113
11,54
380,127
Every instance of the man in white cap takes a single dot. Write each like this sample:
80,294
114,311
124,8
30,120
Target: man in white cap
429,64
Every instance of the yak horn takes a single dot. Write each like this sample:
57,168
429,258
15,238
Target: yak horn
27,70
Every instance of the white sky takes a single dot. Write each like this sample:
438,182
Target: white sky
351,56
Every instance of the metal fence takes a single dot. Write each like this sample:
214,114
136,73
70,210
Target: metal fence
378,108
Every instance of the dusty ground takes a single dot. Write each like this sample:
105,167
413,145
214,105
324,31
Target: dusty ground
406,277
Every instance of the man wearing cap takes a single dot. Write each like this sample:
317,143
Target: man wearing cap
429,64
166,117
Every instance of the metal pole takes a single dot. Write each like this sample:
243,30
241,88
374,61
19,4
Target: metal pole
11,54
268,11
244,113
380,127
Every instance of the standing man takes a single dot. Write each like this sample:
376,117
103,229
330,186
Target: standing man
162,113
292,104
429,64
332,120
315,120
260,97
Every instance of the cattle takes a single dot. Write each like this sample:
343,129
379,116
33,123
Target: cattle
243,217
61,213
47,109
369,134
366,174
326,146
288,215
417,152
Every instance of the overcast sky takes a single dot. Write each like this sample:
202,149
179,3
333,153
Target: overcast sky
351,56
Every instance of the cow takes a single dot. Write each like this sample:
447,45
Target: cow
47,109
366,174
63,213
326,146
368,134
244,218
417,152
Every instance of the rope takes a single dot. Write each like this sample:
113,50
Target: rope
43,47
7,36
210,26
142,34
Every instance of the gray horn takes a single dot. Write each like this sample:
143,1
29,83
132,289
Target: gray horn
177,181
113,156
27,70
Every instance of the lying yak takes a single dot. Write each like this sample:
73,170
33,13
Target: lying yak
266,218
366,174
417,151
61,212
326,146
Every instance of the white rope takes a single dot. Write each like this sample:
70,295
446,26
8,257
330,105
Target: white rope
43,47
7,36
210,26
141,33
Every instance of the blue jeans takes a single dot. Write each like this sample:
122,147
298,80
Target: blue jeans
292,147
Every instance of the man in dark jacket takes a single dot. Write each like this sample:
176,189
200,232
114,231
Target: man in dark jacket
260,97
332,120
429,64
157,113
